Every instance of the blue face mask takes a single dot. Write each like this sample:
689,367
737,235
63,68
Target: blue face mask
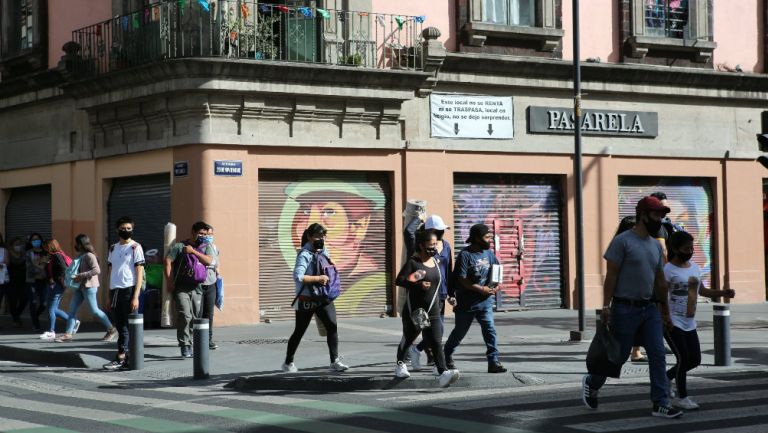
208,239
36,243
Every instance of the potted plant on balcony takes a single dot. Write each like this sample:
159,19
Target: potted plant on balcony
353,60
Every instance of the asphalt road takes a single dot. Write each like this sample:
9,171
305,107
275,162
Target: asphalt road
42,399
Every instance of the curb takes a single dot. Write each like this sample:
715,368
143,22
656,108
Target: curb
47,357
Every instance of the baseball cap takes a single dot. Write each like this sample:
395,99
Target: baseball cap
477,231
435,222
651,203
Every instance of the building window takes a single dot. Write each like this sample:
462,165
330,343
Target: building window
26,24
667,18
518,27
510,12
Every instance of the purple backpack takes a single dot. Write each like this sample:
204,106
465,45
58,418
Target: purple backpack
326,267
189,270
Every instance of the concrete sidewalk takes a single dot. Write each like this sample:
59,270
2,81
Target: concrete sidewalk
534,347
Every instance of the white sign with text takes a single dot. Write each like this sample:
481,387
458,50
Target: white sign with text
470,116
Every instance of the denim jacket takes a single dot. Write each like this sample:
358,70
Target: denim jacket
304,262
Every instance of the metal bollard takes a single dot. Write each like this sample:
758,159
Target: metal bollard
721,321
136,341
200,348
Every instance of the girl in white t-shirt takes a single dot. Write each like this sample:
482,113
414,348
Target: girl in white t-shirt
684,281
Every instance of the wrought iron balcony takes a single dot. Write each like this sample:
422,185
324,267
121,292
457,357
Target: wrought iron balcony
247,30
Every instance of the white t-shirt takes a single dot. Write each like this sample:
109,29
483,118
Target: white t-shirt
124,259
678,281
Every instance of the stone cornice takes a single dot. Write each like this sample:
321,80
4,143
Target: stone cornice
485,69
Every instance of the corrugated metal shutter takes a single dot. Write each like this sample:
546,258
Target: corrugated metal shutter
523,210
148,200
690,200
28,211
355,208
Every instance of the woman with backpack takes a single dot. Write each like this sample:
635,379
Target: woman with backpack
306,275
56,266
88,276
36,263
422,278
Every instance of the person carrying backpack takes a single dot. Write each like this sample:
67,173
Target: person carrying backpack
185,272
56,267
315,292
126,276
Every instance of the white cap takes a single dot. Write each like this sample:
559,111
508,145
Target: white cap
435,222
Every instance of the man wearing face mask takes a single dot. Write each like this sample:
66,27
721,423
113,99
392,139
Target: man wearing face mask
474,296
635,273
188,298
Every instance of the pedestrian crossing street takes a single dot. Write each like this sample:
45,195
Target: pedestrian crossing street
40,400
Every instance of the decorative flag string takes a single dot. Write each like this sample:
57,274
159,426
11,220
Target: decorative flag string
283,9
363,14
307,12
324,13
135,20
400,21
244,11
124,22
420,19
204,5
182,5
380,20
265,9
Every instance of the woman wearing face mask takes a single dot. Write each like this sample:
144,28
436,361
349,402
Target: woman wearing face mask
684,280
57,265
88,277
17,293
304,275
36,263
422,278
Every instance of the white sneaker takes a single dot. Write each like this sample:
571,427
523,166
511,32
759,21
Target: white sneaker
337,365
415,358
447,378
685,403
434,371
77,326
48,335
401,370
290,368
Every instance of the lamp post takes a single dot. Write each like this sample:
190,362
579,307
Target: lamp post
578,176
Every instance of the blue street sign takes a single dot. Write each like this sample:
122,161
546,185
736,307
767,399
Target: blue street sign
180,168
228,168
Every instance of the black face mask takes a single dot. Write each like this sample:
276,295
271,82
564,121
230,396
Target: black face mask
318,244
125,234
431,251
684,256
653,226
484,244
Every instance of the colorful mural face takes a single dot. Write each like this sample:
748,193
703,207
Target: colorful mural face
524,212
352,209
690,201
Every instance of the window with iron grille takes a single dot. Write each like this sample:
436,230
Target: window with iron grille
667,18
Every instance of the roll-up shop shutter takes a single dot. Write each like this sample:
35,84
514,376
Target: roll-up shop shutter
28,211
524,211
147,199
690,201
354,208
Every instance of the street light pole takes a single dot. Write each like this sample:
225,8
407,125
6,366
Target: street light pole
578,175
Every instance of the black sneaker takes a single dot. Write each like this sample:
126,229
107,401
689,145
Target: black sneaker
117,364
450,364
666,411
588,394
186,352
212,346
496,367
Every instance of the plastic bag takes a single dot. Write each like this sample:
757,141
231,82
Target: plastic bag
604,355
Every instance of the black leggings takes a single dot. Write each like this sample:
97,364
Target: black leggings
685,346
433,335
327,314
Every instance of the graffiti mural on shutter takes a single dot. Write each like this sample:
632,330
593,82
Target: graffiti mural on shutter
525,212
690,201
354,208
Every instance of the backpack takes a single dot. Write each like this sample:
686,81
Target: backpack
67,261
143,274
69,275
189,270
324,266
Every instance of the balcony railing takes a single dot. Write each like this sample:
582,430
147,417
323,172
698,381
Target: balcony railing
248,30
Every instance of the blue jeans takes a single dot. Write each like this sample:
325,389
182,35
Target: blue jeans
38,293
54,299
483,313
627,321
86,294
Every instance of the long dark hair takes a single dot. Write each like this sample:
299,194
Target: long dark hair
676,241
83,244
626,224
313,230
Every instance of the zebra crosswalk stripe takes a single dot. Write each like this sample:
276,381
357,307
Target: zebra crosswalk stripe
17,426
